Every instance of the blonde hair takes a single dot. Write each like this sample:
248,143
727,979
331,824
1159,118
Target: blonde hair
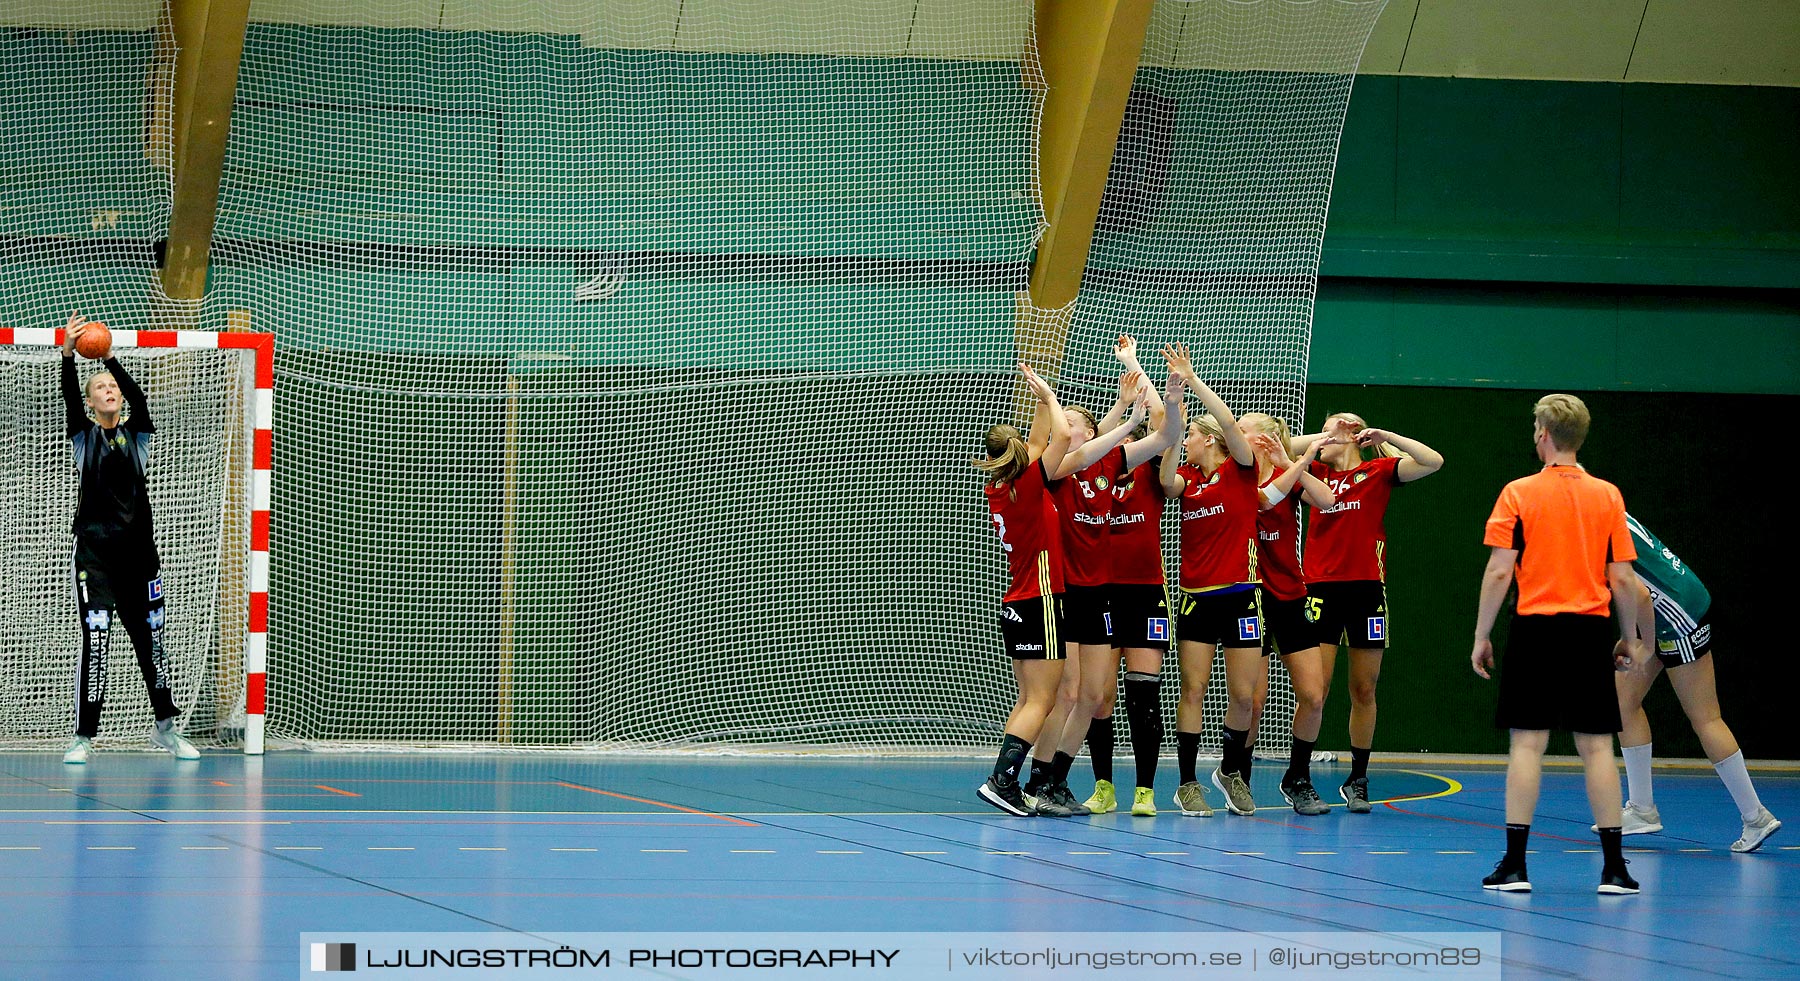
1093,426
1007,454
1385,449
1565,418
1270,425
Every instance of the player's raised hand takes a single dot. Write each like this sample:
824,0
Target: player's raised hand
1038,386
1130,384
1180,361
1125,349
1371,437
76,324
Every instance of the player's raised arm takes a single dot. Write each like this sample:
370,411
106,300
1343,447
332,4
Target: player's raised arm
139,420
1293,472
1165,430
1129,383
1416,459
1091,451
75,418
1050,423
1181,362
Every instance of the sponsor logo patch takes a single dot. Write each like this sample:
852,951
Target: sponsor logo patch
1157,628
1378,628
1108,618
1249,628
1666,646
1359,478
1701,637
156,588
1007,612
98,620
156,618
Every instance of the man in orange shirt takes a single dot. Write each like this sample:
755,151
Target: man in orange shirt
1562,533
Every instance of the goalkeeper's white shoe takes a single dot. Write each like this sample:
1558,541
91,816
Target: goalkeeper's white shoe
163,734
78,750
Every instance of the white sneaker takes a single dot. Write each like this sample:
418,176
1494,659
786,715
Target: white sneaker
1637,820
78,750
1756,832
163,734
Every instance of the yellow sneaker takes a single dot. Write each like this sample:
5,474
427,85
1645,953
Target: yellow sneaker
1103,801
1143,803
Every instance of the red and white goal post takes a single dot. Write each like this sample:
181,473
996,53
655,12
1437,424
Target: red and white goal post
211,395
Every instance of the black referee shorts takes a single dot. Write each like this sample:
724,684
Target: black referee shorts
1557,673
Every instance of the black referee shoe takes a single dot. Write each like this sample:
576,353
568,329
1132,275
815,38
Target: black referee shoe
1615,881
1508,878
1005,795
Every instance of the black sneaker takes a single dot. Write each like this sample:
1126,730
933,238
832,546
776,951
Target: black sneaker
1356,794
1303,797
1507,878
1615,881
1005,795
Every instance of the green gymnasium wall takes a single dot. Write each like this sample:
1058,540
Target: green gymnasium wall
1490,241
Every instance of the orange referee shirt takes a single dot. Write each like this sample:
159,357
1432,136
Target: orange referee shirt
1566,524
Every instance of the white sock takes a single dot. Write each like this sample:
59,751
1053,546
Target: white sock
1637,775
1737,780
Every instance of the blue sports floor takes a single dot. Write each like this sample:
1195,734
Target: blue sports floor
136,866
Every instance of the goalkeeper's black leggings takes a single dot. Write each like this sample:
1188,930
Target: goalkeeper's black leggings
132,597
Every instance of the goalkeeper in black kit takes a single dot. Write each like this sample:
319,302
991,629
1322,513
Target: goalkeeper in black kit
118,574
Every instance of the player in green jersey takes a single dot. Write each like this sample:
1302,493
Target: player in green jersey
1683,641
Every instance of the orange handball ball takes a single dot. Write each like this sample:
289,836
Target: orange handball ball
95,341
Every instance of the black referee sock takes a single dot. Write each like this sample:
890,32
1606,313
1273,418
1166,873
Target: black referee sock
1187,751
1299,761
1012,756
1359,764
1249,762
1143,710
1059,767
1516,835
1040,775
1100,747
1234,750
1612,850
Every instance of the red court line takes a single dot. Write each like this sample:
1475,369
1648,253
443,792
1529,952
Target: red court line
334,790
1483,824
657,803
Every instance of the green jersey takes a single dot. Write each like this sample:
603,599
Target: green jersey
1669,578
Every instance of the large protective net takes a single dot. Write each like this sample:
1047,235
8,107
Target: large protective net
630,358
1214,214
631,353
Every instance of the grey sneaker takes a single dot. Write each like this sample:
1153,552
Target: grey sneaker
1636,819
1305,799
1356,795
1191,798
1055,800
78,750
1236,791
1756,832
163,734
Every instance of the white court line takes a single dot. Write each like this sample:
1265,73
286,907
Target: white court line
1695,849
1455,853
20,848
1580,851
1009,853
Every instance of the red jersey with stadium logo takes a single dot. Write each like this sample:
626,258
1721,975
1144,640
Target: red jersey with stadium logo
1218,526
1347,541
1084,501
